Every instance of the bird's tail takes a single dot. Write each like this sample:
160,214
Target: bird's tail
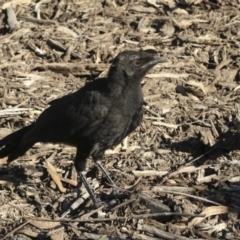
10,143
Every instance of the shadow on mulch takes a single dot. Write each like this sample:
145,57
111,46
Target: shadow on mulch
13,174
227,142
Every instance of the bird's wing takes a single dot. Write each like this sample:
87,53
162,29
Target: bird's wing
136,120
91,113
72,117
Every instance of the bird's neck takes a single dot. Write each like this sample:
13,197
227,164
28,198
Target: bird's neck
119,86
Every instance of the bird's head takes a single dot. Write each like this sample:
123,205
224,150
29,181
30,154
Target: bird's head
133,65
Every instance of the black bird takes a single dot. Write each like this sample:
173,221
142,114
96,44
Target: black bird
94,118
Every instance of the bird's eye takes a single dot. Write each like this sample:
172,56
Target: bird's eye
137,62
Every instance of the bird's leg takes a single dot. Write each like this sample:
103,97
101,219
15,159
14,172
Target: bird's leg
98,162
89,189
104,171
96,159
80,165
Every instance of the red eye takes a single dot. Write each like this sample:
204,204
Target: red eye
136,62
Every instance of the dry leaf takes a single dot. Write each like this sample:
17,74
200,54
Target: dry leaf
180,11
147,173
211,87
155,3
209,211
168,125
67,31
52,171
15,3
44,224
70,181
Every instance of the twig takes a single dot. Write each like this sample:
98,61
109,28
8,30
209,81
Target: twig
184,194
168,175
141,216
151,111
14,111
123,204
162,234
59,45
87,215
16,229
40,21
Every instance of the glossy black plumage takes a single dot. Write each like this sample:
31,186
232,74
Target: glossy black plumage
94,118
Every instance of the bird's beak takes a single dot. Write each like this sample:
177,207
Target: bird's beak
154,61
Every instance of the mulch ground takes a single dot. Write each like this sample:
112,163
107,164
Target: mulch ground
178,173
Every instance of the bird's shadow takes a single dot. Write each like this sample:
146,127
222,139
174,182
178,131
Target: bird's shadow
226,142
224,192
13,174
